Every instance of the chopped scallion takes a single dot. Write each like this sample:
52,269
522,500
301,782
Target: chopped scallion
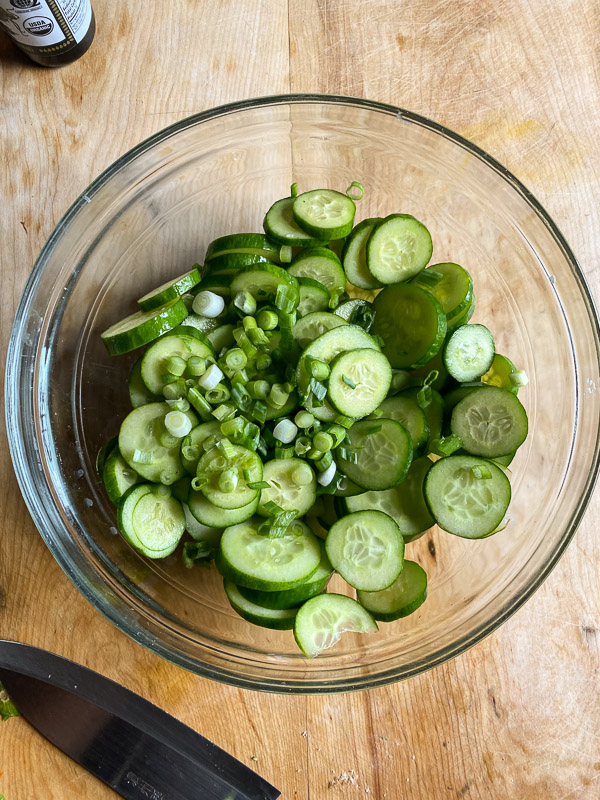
348,381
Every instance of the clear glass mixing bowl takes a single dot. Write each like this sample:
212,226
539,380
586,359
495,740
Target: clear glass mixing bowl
150,216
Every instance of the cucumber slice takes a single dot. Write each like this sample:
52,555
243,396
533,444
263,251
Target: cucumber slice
222,338
454,396
403,597
291,404
367,549
262,282
382,450
154,523
192,444
219,284
454,291
170,290
499,374
322,620
490,423
139,443
209,514
283,490
324,213
104,453
354,255
258,562
118,476
313,296
469,352
181,488
359,381
357,312
462,319
347,488
435,364
243,460
404,503
139,394
198,531
321,264
405,410
143,327
277,619
399,246
292,598
242,243
434,411
412,324
281,227
231,263
330,344
184,342
463,504
315,324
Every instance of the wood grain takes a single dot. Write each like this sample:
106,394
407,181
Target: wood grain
517,717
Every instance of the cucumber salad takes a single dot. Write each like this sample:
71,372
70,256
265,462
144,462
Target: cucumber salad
284,430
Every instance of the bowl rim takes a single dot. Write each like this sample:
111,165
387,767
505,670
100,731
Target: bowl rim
26,469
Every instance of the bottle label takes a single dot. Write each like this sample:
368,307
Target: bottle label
48,26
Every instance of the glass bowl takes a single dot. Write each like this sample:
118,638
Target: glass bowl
150,216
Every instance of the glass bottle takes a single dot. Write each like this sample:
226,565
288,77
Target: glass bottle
50,32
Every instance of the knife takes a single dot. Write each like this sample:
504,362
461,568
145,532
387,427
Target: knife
132,745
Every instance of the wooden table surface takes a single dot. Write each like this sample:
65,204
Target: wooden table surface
517,717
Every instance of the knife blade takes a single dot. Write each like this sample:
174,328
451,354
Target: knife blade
135,747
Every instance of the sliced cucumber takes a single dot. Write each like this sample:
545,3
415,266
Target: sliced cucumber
221,338
499,374
462,319
467,496
403,597
104,453
399,246
359,381
259,562
243,243
118,476
322,265
219,284
433,411
231,263
278,619
262,282
453,290
291,598
357,312
404,503
313,296
330,344
143,327
315,324
290,405
198,531
405,410
281,227
139,393
490,423
436,363
209,514
469,352
378,455
283,490
367,549
324,213
412,324
322,620
181,488
152,522
192,444
140,444
184,343
243,462
170,290
354,255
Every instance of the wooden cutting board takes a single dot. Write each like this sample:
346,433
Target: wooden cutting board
517,717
